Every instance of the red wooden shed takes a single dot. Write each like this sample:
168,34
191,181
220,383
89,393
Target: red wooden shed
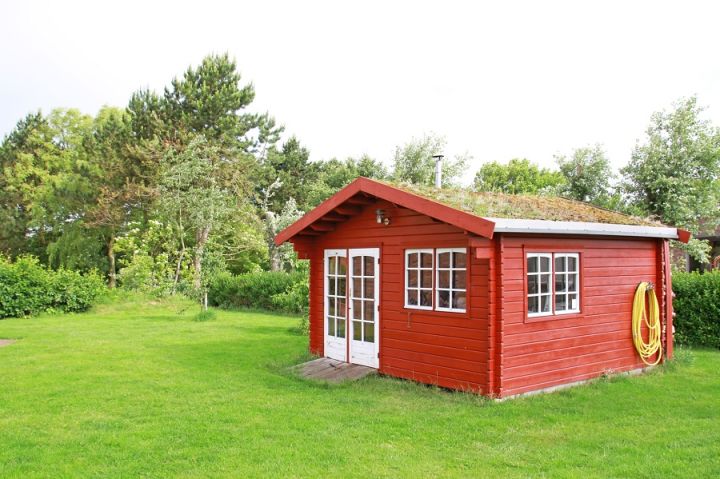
496,294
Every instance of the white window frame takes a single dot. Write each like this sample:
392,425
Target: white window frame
451,269
539,294
566,274
419,269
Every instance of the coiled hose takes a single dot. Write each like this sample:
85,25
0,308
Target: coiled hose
653,345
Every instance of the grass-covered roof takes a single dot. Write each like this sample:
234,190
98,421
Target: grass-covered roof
524,206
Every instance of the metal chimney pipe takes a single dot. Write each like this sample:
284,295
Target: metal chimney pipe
438,170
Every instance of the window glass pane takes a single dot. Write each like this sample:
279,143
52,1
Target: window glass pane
331,286
545,304
412,296
369,312
331,326
369,287
331,265
426,261
341,328
532,264
357,309
357,266
341,283
559,283
533,304
572,263
560,302
572,282
532,284
443,279
357,330
331,306
412,278
459,279
412,261
342,266
426,298
572,299
341,308
369,266
459,260
370,332
560,263
444,299
544,264
443,260
544,283
426,280
357,288
458,299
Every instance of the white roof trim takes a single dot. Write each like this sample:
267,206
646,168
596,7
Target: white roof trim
506,225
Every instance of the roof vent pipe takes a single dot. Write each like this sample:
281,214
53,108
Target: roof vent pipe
438,170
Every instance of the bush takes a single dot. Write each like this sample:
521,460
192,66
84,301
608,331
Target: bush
27,288
270,290
697,308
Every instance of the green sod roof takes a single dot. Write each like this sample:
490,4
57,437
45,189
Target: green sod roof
524,206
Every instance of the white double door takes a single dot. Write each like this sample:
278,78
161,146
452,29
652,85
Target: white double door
352,286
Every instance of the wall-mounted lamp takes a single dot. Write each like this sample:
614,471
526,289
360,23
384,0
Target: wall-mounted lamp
381,218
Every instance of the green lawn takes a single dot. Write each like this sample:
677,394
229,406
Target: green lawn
139,390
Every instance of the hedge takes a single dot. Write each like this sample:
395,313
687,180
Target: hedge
269,290
27,288
697,308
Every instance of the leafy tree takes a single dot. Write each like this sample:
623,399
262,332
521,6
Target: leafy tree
675,174
587,174
517,176
333,175
195,200
414,162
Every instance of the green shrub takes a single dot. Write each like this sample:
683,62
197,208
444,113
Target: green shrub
270,290
697,308
28,288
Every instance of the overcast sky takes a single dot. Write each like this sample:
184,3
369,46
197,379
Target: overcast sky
499,80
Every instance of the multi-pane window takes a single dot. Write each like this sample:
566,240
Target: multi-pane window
436,279
363,298
566,283
336,295
553,283
539,276
451,291
419,278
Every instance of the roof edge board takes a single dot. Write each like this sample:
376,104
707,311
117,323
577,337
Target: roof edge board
507,225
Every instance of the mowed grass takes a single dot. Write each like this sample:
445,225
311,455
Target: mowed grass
136,389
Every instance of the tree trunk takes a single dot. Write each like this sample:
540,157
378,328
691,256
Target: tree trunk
111,262
201,237
275,259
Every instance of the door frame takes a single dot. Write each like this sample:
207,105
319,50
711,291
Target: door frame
375,253
328,253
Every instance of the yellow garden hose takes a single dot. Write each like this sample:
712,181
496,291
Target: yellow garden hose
653,345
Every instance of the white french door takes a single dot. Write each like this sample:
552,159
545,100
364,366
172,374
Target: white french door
352,290
364,305
336,304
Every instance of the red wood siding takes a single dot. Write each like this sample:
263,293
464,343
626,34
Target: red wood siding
548,351
442,348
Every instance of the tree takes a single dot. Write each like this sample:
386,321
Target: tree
333,175
414,162
194,201
517,176
675,174
587,174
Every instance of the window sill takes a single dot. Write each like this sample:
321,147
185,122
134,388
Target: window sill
439,313
553,317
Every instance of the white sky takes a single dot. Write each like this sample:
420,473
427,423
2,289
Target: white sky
499,80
